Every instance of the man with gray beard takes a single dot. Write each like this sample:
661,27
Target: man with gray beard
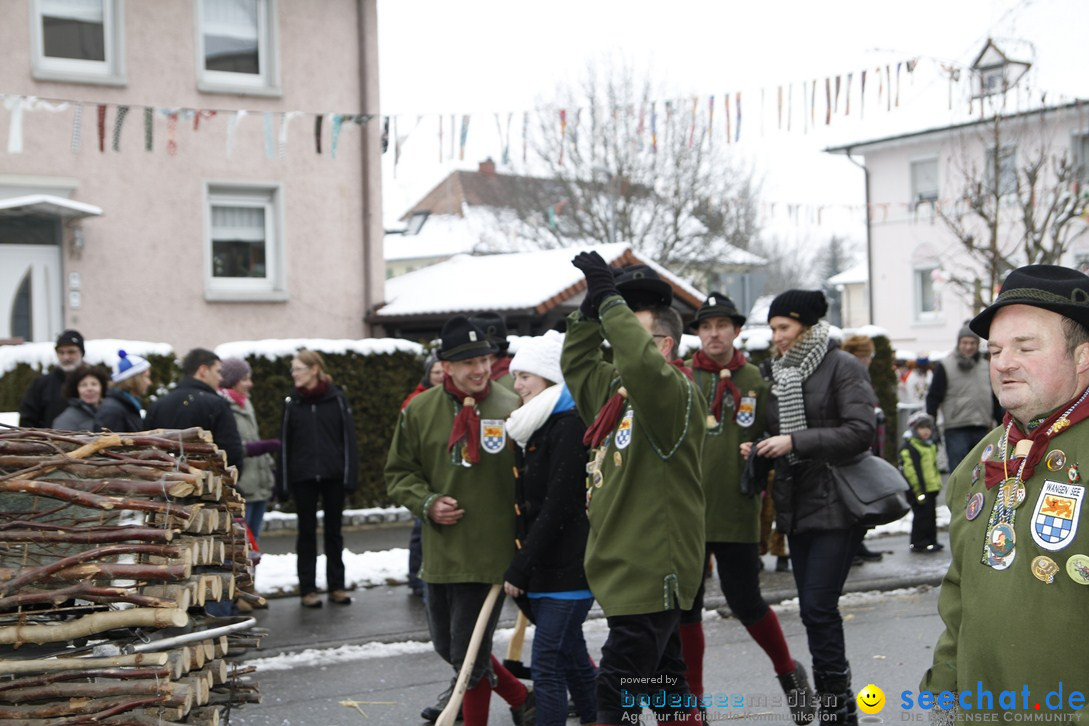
45,400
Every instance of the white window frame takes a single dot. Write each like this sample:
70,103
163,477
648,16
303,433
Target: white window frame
924,196
920,276
273,286
1079,154
1006,176
264,83
109,72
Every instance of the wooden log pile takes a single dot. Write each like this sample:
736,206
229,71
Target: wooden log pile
111,546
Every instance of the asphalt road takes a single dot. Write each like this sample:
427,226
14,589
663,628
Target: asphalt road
890,637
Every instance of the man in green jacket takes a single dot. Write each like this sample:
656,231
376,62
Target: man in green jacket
450,464
1015,598
736,396
644,554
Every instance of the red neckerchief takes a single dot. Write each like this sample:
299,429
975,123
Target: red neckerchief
605,421
500,367
467,422
995,472
703,362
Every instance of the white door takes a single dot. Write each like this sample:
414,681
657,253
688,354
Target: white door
30,292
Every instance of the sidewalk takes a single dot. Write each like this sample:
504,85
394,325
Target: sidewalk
391,614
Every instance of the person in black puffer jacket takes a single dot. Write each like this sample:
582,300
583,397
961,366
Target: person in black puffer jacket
319,460
551,531
822,411
122,408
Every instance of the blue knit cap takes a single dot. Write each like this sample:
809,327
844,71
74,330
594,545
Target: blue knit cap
128,366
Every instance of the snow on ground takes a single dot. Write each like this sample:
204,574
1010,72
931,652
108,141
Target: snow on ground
276,575
855,599
335,656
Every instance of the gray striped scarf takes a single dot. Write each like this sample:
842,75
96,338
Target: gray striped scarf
790,371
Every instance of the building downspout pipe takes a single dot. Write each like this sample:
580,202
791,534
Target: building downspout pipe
869,236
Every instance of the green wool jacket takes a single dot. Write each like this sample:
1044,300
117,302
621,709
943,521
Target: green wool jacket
420,467
730,515
929,479
1008,629
644,553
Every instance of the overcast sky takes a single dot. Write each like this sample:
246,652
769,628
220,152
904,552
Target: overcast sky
485,56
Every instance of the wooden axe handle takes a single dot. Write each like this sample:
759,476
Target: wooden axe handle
518,638
449,714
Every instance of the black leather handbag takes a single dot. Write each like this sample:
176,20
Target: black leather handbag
873,490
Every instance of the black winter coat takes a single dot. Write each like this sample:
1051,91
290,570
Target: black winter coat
840,427
193,403
319,441
551,493
118,413
44,400
79,416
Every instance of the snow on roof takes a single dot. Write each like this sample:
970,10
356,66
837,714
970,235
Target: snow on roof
102,351
731,255
513,281
282,347
851,276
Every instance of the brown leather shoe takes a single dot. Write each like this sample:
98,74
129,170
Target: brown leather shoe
311,600
340,597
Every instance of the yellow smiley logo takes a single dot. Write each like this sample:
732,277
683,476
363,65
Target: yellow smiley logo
871,699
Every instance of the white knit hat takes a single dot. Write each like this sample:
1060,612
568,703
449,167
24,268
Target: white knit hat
540,356
128,365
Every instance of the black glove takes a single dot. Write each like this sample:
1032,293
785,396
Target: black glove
599,281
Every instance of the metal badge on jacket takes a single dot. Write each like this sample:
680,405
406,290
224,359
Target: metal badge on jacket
623,431
746,411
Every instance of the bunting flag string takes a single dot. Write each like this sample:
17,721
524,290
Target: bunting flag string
77,127
737,126
563,132
149,130
118,122
232,130
101,127
464,136
847,109
862,96
729,134
269,125
317,132
334,140
15,105
171,132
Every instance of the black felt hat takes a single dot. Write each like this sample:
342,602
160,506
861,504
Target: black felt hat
642,287
805,306
718,305
1059,289
460,340
494,327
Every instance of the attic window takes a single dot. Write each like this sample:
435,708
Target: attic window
416,222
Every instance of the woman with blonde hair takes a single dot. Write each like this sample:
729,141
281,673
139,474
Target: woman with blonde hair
319,462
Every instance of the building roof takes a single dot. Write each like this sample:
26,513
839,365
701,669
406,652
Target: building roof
851,276
860,146
485,188
533,282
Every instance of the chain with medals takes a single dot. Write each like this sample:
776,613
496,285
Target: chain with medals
594,475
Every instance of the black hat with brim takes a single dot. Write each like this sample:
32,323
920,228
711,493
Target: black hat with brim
461,340
494,327
642,287
718,305
1056,288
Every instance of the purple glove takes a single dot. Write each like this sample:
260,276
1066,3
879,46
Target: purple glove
263,446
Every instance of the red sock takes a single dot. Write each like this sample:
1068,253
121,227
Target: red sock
692,645
769,636
509,688
474,708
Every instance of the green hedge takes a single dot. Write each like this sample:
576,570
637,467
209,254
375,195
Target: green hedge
375,385
883,377
14,383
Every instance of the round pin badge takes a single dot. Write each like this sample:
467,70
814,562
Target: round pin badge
1056,460
1013,493
1001,540
1000,563
986,453
1044,569
1078,569
975,473
974,506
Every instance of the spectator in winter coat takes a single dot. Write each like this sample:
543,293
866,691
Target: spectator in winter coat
919,463
551,529
319,463
195,402
822,412
258,478
122,409
84,389
45,398
432,376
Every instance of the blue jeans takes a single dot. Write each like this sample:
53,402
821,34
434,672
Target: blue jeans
960,441
255,516
821,561
561,662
